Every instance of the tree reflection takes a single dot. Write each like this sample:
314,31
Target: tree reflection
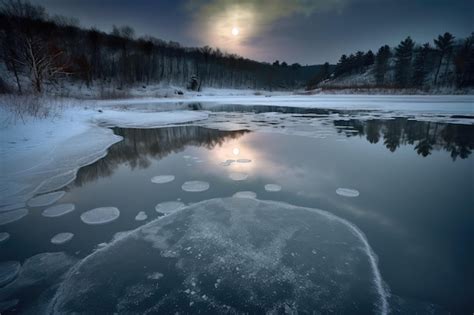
140,146
456,139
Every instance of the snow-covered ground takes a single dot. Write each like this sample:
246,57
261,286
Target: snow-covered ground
445,104
42,155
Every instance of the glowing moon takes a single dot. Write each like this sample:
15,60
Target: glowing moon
235,31
236,151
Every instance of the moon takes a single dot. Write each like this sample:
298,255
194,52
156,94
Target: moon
235,31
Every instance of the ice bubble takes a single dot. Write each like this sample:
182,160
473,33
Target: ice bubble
12,216
162,179
46,199
8,271
168,207
155,276
347,192
272,187
195,186
100,215
238,176
245,194
59,210
62,238
4,236
244,161
141,216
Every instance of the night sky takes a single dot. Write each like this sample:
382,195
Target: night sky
304,31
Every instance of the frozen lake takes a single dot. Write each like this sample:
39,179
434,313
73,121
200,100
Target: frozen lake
344,211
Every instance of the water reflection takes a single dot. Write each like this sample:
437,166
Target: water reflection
458,140
139,146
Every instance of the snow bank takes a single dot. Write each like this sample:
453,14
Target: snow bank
44,155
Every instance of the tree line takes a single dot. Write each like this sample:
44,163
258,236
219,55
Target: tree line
48,50
446,62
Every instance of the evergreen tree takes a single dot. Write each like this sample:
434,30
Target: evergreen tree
369,58
420,65
464,63
403,57
341,66
444,44
381,64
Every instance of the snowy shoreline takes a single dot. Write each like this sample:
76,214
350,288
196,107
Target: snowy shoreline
42,155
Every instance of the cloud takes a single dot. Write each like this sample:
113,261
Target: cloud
214,20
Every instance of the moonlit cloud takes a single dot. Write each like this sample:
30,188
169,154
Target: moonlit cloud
214,20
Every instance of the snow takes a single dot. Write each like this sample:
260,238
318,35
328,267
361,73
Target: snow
162,179
46,199
4,236
141,216
62,238
238,176
8,271
101,215
347,192
272,187
59,210
195,186
12,216
168,207
245,194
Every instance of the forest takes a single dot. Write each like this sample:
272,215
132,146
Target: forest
448,63
42,52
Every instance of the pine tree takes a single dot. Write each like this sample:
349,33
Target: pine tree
420,65
403,57
444,44
369,58
464,63
381,64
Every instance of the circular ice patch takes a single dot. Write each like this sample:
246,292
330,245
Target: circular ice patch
46,199
162,179
347,192
227,162
169,206
58,210
12,216
272,187
244,161
238,176
10,207
245,194
141,216
8,271
195,186
226,254
4,236
62,238
100,215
